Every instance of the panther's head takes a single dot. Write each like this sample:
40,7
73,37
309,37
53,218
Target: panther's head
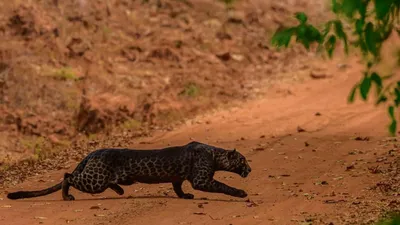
236,163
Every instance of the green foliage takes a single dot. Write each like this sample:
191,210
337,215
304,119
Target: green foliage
35,144
372,22
228,2
65,73
131,124
392,220
190,90
304,32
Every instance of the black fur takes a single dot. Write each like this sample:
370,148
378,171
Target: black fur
109,168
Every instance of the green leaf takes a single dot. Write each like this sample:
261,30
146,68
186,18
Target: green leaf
335,7
391,112
378,81
341,34
364,47
330,45
302,17
393,127
349,7
370,39
365,87
339,29
362,8
376,78
360,26
301,33
385,32
397,99
314,34
327,29
382,8
282,37
381,99
352,94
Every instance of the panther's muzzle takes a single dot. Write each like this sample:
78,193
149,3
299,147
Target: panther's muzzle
245,172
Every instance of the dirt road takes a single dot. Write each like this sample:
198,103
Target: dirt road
321,175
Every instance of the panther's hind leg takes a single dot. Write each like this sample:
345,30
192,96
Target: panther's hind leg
65,188
83,182
116,188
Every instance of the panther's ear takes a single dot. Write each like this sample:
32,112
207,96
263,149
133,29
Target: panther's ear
232,153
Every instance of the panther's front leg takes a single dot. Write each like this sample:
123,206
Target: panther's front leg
202,179
211,185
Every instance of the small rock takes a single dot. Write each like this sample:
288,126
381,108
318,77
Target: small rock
199,213
251,204
299,129
361,138
95,207
237,57
349,167
40,217
391,152
236,17
338,178
224,56
342,66
223,36
332,201
375,170
54,139
318,75
324,182
317,114
259,149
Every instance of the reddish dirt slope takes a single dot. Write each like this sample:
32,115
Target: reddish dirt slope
327,174
71,67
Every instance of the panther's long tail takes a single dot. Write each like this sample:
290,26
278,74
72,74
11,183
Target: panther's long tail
32,194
